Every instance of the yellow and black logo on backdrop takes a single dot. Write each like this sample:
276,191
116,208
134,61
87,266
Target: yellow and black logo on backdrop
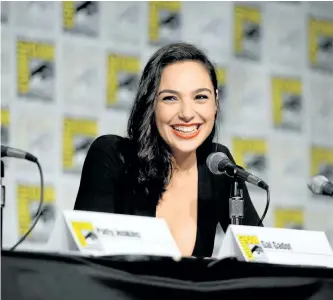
164,21
28,197
78,134
122,80
250,154
5,121
289,217
251,246
247,32
35,69
81,17
322,161
287,102
320,47
221,74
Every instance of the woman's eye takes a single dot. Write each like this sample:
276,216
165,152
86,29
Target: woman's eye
169,98
201,97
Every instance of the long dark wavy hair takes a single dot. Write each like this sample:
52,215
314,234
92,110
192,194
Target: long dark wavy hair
150,165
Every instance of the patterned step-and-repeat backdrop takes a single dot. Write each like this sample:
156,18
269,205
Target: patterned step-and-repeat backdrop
69,72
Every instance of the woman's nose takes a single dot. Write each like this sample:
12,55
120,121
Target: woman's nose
187,112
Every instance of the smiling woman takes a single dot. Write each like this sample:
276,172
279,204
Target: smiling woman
160,170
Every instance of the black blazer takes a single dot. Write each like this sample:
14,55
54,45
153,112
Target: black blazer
103,188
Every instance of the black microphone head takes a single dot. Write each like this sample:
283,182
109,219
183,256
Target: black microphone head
317,183
214,161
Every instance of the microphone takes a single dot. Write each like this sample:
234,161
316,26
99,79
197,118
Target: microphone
12,152
320,185
219,163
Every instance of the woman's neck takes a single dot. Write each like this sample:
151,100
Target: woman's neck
184,162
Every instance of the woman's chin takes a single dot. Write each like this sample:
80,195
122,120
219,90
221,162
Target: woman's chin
186,146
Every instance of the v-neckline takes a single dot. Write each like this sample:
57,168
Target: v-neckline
200,173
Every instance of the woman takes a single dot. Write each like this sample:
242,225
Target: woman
160,169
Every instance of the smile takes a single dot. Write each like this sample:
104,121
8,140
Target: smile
186,131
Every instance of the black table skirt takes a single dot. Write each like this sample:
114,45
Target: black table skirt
39,276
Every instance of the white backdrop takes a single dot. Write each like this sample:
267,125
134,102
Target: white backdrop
69,72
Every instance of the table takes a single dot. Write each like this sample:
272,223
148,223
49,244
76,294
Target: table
52,276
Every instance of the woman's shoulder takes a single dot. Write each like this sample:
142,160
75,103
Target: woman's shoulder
109,142
114,146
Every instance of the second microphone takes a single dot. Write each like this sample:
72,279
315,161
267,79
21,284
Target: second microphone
219,163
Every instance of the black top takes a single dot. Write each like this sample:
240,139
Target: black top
104,188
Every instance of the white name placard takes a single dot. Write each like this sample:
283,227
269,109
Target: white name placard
277,246
94,233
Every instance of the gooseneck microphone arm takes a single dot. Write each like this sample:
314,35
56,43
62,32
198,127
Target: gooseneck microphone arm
17,153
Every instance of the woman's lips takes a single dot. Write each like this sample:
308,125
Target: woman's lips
186,131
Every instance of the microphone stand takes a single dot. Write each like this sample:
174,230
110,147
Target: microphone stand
236,204
3,200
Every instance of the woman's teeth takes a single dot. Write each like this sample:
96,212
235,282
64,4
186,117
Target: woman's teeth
186,129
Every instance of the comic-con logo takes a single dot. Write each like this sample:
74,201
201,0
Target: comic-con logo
221,74
322,161
81,17
35,69
5,121
28,198
320,39
122,80
251,247
289,217
164,21
78,134
251,154
287,102
86,235
247,32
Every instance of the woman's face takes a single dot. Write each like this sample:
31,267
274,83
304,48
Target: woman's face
185,106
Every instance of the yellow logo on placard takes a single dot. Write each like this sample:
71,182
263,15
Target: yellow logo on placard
80,228
248,243
122,71
155,9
